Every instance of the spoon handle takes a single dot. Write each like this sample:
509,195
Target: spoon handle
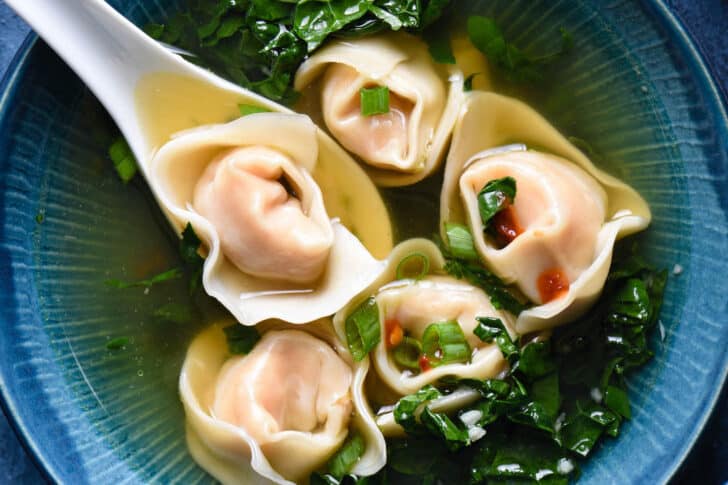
105,50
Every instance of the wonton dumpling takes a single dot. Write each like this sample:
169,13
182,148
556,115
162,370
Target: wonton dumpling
569,212
414,305
246,188
240,193
402,146
278,413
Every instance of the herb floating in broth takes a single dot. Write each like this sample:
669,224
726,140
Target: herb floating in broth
117,343
515,64
170,274
260,44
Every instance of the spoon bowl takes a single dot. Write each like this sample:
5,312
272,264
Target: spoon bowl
112,56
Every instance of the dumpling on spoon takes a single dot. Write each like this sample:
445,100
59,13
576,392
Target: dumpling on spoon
280,412
557,216
386,101
269,213
247,190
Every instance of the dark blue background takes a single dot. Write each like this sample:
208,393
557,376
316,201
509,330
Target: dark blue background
705,20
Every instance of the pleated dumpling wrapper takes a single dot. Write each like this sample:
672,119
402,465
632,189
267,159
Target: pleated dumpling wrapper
280,412
407,142
246,188
423,323
555,241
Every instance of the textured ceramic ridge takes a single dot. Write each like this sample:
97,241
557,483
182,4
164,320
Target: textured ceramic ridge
640,95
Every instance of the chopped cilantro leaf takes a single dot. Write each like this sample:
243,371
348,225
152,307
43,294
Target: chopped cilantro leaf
170,274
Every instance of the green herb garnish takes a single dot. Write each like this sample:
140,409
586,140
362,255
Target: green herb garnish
495,196
559,399
465,266
491,329
374,101
117,343
438,43
363,329
170,274
240,338
342,462
515,64
124,161
174,313
440,425
260,44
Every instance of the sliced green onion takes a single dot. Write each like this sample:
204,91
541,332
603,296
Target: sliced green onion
407,354
444,343
251,109
170,274
374,101
174,313
494,197
341,463
117,343
123,159
241,339
460,242
413,266
363,329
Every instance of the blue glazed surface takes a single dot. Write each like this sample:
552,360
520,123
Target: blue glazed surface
70,432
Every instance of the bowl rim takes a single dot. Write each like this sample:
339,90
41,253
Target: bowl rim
681,40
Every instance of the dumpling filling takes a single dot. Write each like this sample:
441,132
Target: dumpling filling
260,204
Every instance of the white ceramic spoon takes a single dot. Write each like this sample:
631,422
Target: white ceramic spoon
110,55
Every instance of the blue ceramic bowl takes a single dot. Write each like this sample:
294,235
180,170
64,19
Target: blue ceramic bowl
635,88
